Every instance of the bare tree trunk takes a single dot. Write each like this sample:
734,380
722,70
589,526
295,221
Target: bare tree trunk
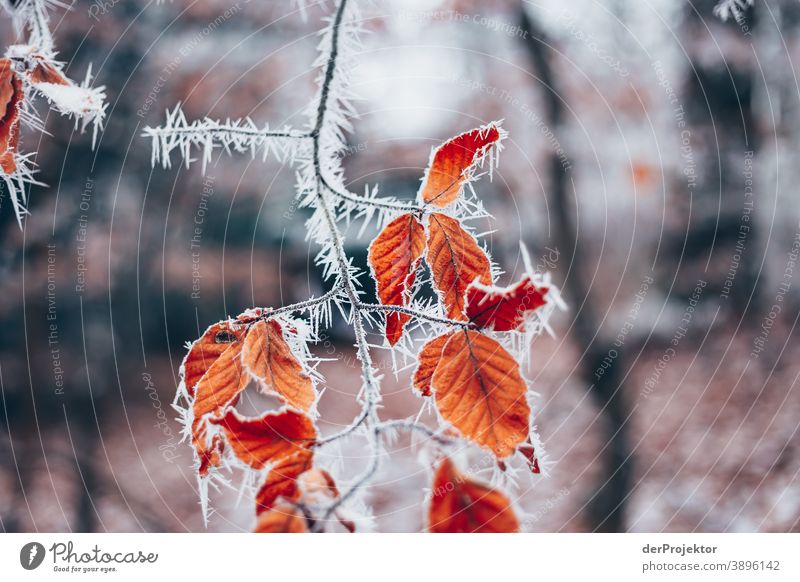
606,508
718,240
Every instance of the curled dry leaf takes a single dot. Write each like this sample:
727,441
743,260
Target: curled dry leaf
68,98
268,358
283,518
394,257
453,163
479,390
36,66
269,438
529,452
11,96
504,308
462,505
209,454
281,481
295,479
429,357
455,260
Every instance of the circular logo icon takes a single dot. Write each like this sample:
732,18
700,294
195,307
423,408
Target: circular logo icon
31,555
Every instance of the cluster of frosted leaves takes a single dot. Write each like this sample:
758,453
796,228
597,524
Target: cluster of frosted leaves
27,71
472,378
276,448
471,370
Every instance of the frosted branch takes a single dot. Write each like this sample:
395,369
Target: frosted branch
32,15
240,136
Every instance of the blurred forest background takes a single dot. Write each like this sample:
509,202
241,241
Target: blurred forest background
651,167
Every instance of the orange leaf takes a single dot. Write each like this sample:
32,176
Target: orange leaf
318,487
319,484
456,260
428,359
281,480
504,308
462,505
479,390
453,162
11,97
222,383
269,438
282,519
268,357
218,387
394,257
205,351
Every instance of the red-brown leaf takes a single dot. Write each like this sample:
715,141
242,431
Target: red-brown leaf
394,257
452,163
428,359
479,390
268,357
209,454
270,438
284,518
455,260
504,308
461,505
529,452
11,97
281,481
205,351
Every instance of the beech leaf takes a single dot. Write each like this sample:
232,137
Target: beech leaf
453,163
504,308
478,389
269,438
281,481
394,257
455,260
460,504
205,351
429,357
268,358
284,518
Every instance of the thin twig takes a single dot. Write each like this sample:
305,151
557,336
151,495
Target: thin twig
308,303
378,203
414,313
371,389
162,132
411,425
